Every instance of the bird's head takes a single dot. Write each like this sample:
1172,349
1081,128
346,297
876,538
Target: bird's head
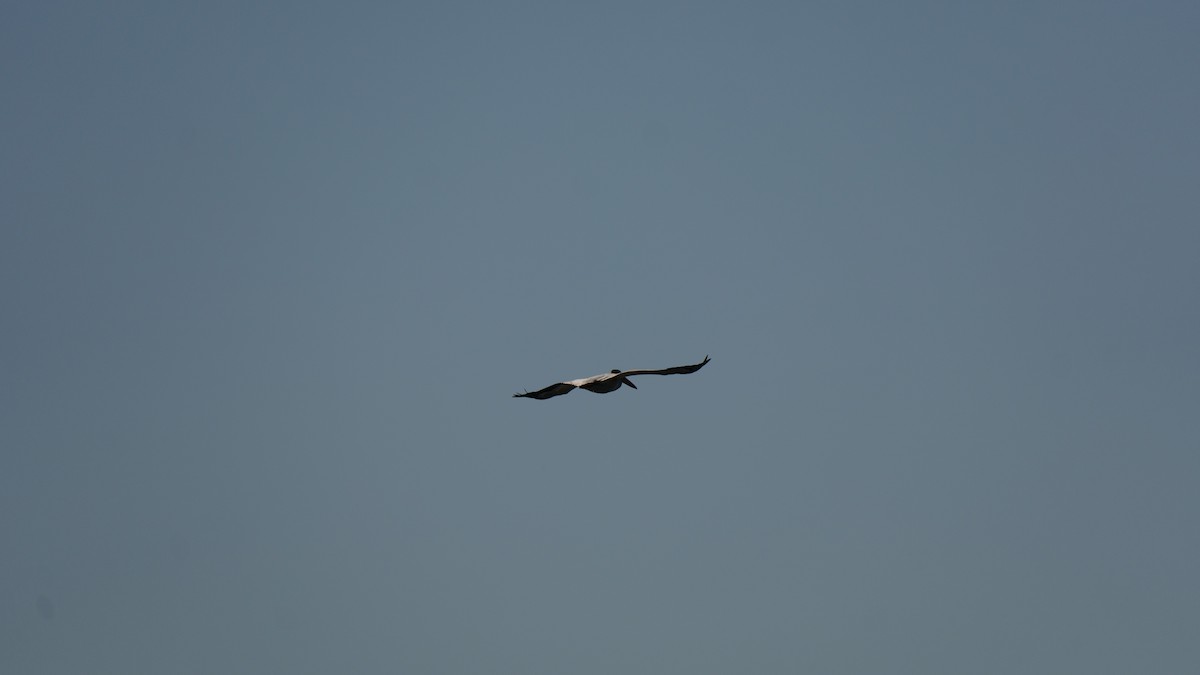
614,371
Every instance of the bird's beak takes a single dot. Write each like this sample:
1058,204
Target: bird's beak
625,380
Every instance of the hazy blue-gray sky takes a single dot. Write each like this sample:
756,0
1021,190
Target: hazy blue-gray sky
270,272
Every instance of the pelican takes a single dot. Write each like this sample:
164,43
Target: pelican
610,381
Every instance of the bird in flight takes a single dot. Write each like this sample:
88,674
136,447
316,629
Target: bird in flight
611,381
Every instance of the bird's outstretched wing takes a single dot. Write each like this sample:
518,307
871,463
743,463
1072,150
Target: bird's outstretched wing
677,370
557,389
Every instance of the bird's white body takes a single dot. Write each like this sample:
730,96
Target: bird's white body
602,384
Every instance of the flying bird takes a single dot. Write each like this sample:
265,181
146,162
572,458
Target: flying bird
610,381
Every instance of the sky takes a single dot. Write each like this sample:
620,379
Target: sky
271,272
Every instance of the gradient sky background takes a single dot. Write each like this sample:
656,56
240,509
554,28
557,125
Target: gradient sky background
270,273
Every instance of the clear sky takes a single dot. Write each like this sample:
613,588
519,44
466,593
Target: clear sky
270,273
